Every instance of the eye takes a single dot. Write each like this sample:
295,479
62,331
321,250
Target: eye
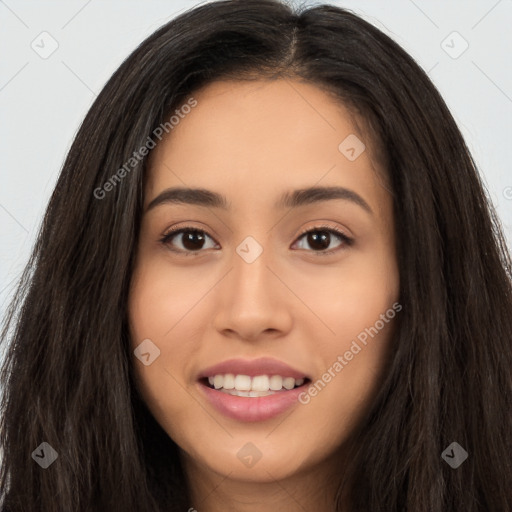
320,238
192,240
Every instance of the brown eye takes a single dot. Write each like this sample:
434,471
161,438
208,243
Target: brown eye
188,240
319,239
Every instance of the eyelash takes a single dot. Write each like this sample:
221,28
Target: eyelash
347,242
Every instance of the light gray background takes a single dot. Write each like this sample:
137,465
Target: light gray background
42,101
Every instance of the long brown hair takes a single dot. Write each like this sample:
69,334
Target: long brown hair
67,376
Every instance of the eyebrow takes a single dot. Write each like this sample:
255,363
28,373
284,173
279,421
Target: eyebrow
290,199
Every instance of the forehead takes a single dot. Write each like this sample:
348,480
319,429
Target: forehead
263,137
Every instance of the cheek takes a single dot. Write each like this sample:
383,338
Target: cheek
351,298
162,300
158,303
353,365
357,307
158,299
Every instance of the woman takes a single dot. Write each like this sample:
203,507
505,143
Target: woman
332,334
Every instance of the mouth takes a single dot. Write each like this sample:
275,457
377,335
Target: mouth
252,390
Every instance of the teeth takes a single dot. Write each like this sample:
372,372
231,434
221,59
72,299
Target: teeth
254,394
276,382
242,382
229,381
218,381
289,383
261,385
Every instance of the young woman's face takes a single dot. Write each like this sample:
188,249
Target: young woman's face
248,294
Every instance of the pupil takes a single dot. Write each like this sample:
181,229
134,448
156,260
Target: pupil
321,241
191,238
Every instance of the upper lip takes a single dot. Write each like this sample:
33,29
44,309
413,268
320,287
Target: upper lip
252,368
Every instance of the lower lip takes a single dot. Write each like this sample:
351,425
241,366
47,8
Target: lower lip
252,408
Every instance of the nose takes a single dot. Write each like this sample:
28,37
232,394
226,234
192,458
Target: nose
253,303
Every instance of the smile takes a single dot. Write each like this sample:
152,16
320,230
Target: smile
252,390
261,385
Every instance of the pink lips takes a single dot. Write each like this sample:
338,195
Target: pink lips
251,409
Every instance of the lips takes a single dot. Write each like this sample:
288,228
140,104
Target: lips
252,390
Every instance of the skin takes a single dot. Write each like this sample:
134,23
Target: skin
251,141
